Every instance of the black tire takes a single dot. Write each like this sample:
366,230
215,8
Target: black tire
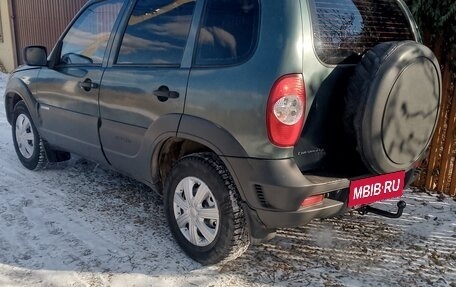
392,105
35,157
232,237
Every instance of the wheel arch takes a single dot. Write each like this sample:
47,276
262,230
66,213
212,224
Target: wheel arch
194,135
17,91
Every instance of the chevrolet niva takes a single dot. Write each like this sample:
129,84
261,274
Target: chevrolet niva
246,115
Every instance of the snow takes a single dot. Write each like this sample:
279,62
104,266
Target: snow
79,224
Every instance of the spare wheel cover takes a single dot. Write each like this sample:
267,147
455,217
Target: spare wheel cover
401,107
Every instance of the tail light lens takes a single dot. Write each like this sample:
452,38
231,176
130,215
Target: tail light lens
285,111
313,200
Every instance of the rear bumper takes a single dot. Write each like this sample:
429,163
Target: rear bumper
274,190
280,219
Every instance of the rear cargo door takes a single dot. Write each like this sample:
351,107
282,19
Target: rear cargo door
336,35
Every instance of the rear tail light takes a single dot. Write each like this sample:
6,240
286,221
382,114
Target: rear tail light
285,111
312,200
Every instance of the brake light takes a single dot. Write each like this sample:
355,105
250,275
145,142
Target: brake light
285,110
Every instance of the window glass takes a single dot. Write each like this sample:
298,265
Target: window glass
86,41
228,33
157,32
346,28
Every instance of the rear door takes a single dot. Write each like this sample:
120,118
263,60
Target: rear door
68,93
145,81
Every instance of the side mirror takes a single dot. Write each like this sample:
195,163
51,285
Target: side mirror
35,56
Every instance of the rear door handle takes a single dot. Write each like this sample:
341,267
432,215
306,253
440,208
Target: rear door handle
163,94
87,85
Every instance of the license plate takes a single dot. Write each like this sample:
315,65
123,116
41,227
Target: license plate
376,188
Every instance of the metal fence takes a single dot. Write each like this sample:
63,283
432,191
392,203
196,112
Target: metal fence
41,22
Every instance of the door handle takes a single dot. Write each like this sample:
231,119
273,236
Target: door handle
163,94
87,85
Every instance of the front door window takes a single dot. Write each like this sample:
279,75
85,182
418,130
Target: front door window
86,41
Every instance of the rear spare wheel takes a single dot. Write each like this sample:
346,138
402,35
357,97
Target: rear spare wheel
392,105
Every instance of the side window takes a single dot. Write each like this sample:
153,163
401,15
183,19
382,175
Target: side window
86,41
344,29
157,33
228,33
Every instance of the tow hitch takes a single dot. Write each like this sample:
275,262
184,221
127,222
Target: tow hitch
369,209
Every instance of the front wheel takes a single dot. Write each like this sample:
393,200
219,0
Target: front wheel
203,212
28,143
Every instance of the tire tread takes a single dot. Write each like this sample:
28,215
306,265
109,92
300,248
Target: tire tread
239,237
41,159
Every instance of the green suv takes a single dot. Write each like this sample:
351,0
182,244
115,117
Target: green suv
246,115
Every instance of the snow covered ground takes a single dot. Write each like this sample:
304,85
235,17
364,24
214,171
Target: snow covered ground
79,224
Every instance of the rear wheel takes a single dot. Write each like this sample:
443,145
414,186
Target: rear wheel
203,211
28,143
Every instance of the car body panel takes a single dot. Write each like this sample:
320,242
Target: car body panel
244,99
69,114
128,110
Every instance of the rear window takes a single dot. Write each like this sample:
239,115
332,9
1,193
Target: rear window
344,29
